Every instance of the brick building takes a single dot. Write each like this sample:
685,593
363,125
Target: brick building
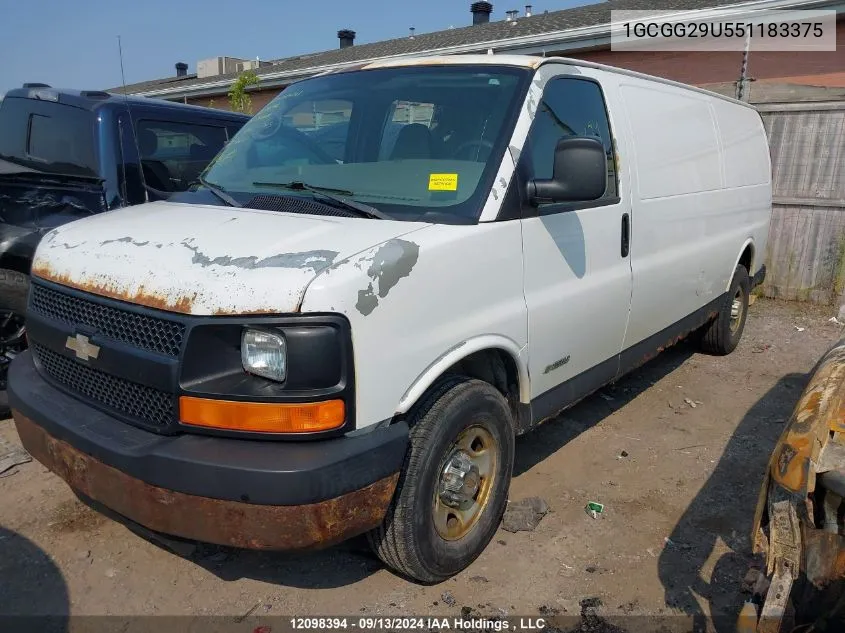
581,32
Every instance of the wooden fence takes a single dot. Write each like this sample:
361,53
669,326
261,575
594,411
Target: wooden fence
805,257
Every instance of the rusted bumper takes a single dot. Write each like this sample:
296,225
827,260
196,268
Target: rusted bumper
212,520
244,493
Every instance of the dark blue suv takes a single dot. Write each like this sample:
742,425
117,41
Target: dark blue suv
67,154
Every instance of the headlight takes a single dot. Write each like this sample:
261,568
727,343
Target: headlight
264,354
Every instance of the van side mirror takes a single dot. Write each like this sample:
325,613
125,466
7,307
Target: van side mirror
580,172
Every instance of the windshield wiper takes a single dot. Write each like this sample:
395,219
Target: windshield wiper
335,195
220,192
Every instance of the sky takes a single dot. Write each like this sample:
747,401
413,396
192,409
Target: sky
69,44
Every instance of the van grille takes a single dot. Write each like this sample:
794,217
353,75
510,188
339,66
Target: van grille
138,330
144,404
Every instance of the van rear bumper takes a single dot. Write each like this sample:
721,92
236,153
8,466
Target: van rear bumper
242,493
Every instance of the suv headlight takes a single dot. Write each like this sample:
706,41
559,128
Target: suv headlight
264,354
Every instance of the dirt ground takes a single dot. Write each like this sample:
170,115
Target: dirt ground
673,538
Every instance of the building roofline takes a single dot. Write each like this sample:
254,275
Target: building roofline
596,35
100,99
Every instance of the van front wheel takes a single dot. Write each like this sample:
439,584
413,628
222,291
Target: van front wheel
454,484
722,335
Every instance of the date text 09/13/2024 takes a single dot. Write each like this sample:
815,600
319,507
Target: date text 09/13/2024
416,623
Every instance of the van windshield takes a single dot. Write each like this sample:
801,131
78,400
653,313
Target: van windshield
411,142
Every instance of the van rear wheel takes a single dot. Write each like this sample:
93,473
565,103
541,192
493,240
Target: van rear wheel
453,488
722,335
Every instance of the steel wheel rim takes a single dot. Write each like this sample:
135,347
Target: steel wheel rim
737,310
11,330
12,341
465,481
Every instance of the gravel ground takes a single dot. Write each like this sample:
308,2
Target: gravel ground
675,452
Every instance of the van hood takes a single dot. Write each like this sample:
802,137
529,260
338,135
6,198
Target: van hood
203,260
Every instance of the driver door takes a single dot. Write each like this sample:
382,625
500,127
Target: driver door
577,270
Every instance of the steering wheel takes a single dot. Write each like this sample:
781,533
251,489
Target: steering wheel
470,144
274,125
308,143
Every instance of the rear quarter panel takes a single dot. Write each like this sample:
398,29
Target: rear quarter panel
701,193
748,174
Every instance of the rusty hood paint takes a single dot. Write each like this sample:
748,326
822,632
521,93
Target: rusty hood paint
197,259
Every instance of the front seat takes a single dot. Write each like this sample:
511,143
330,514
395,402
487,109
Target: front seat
413,141
156,174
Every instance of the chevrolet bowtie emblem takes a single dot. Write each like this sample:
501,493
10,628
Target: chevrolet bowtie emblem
84,348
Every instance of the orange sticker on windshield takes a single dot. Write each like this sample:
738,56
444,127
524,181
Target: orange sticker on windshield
443,182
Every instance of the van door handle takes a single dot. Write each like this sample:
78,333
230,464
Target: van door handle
626,234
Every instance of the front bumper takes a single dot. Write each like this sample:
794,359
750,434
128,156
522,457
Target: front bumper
243,493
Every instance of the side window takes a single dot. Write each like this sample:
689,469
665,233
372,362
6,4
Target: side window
55,136
56,139
173,154
570,107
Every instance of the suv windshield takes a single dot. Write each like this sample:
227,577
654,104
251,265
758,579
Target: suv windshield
49,137
411,141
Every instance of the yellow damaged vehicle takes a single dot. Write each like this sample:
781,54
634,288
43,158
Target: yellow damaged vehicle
799,524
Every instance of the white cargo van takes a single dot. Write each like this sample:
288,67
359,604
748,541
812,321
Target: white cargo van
385,277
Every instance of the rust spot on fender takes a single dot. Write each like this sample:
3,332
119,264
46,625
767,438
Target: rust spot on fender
837,423
824,558
839,564
224,312
799,457
811,404
232,523
817,414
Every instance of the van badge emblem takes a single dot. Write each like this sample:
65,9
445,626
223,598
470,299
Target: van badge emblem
83,347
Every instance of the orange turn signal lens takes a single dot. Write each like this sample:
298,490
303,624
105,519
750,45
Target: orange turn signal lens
262,417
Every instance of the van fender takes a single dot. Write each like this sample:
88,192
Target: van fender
745,244
459,352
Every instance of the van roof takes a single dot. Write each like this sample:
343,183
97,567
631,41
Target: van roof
527,61
96,99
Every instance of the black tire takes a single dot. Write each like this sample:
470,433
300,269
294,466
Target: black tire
408,541
722,335
14,289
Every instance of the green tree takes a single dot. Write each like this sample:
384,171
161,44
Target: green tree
238,97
